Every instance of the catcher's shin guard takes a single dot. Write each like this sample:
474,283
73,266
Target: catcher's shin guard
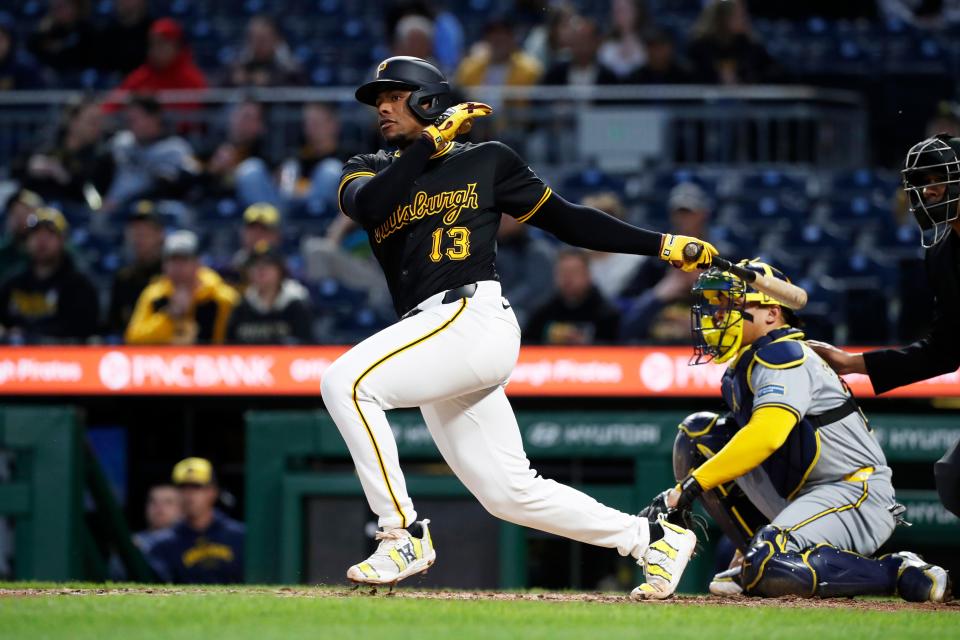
770,571
700,436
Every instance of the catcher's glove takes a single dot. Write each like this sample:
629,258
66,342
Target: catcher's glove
455,121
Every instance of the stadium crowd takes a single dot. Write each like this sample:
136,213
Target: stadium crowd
116,223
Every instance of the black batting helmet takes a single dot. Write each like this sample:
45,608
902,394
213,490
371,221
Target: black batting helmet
933,162
410,74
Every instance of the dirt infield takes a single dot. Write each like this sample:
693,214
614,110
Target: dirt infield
868,604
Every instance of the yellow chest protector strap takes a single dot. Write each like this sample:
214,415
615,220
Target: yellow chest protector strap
766,432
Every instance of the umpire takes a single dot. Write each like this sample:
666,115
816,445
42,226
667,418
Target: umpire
931,179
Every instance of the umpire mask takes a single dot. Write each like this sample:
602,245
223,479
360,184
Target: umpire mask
933,163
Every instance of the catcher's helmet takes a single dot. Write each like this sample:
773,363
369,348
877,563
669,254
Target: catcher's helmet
716,318
933,162
410,74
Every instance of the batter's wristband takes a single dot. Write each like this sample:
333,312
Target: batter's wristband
690,490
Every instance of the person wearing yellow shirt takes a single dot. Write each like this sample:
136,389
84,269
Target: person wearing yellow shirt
188,304
793,473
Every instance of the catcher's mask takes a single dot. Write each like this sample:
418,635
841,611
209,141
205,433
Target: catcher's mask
933,162
716,318
431,94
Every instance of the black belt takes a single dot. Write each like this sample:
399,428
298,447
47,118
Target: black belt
836,414
465,291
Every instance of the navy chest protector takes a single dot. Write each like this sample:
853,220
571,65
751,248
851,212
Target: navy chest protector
789,465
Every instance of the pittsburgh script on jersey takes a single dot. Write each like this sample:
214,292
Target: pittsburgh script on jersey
449,203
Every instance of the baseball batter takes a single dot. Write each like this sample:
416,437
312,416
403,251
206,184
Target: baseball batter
431,209
793,474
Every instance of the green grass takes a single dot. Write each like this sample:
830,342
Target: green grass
261,614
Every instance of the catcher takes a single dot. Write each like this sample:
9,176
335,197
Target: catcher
793,474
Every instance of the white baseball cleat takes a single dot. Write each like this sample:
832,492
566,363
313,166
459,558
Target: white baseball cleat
664,561
726,584
920,581
399,555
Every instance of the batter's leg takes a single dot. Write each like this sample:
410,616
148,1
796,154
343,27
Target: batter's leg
478,435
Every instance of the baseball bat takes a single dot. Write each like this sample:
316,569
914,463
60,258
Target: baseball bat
787,294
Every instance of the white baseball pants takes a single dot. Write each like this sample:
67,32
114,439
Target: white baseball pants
453,360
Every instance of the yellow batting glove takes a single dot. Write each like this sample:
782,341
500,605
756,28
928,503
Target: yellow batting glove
671,250
455,121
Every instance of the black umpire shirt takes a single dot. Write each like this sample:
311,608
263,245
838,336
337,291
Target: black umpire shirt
939,351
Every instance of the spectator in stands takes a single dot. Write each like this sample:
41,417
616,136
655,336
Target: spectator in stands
939,14
76,166
945,120
206,546
169,64
724,49
661,310
64,38
261,227
314,174
150,162
525,265
662,65
144,243
238,167
611,272
13,251
497,60
121,43
49,301
275,308
447,39
266,59
188,304
413,36
164,510
624,50
17,70
578,313
549,41
582,68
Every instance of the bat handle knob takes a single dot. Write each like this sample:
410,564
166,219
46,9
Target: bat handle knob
692,251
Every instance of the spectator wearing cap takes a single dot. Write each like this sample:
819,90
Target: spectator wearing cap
169,65
13,250
188,304
265,59
150,161
660,308
275,309
50,301
206,546
261,227
75,166
578,313
17,70
498,60
611,272
143,238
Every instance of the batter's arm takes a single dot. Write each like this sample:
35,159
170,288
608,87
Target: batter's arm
369,199
591,228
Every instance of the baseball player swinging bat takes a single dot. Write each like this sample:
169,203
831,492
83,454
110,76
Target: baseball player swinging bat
784,292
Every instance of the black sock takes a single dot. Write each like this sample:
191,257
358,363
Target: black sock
656,531
415,529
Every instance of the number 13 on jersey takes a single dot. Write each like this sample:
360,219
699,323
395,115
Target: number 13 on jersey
459,248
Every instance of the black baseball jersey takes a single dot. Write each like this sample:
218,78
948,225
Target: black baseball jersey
443,233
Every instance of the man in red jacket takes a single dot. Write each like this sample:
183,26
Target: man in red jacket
169,65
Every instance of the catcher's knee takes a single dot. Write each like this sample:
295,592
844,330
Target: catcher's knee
770,571
700,436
